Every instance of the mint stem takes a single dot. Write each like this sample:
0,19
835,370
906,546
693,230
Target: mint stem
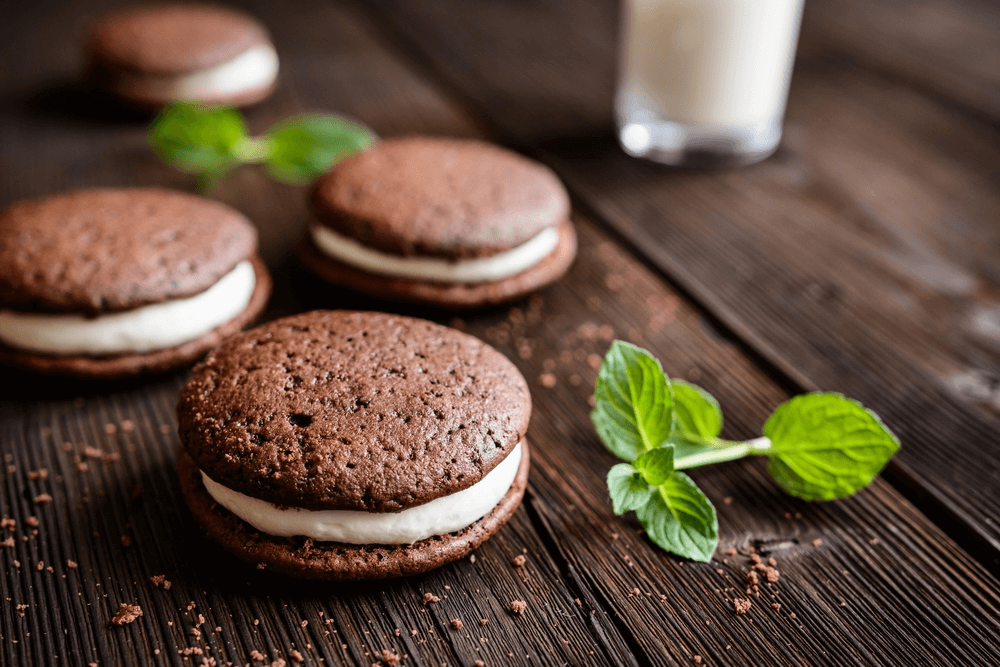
724,450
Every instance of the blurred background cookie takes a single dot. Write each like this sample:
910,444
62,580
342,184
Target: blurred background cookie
150,55
117,282
445,222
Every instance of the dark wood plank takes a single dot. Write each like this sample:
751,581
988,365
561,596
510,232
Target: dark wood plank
566,524
861,258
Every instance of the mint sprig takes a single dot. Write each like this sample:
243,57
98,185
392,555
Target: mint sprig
820,446
212,141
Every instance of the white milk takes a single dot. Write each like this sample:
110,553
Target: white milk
721,64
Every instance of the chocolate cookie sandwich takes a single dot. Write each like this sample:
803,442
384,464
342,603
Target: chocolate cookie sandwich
150,55
444,222
348,445
117,282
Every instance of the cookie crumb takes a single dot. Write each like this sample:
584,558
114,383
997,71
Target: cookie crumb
728,500
776,606
457,623
482,622
40,566
43,498
257,655
430,597
110,428
390,658
93,452
519,561
741,605
472,558
296,656
792,615
126,614
71,564
614,536
32,521
479,663
697,658
547,380
518,606
303,624
160,580
9,542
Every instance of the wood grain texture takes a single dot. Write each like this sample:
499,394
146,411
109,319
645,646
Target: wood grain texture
911,597
860,258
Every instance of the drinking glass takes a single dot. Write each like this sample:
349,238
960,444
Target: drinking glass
704,82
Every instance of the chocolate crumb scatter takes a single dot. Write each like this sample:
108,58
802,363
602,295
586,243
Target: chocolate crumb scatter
752,577
430,597
457,623
9,542
776,606
257,655
9,524
519,561
160,580
126,614
296,656
390,658
43,498
772,574
518,606
755,558
741,605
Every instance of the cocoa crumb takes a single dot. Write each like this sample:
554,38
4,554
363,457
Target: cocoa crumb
519,561
9,524
728,500
159,580
518,606
752,578
614,536
390,658
730,551
772,574
110,428
755,558
772,562
776,606
82,467
41,473
9,542
16,564
296,656
126,614
741,605
127,425
40,566
303,624
818,541
479,663
792,615
457,623
873,541
195,632
472,558
190,605
482,622
280,662
126,541
430,597
93,452
257,655
32,521
43,498
697,659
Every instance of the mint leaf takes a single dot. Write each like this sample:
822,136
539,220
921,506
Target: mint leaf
826,446
679,518
698,413
628,490
656,464
304,147
633,405
197,138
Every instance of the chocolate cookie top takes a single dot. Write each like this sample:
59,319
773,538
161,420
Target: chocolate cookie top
439,197
352,410
173,38
98,251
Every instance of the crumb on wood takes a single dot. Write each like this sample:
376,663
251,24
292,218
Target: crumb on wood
818,542
257,655
547,380
519,561
160,581
482,622
297,656
742,605
697,659
430,597
728,500
126,541
126,614
457,623
43,498
518,606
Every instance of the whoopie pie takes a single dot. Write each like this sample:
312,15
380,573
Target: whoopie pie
445,222
150,55
117,282
348,445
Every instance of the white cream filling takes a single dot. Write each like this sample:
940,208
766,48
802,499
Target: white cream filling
484,269
437,517
257,67
154,327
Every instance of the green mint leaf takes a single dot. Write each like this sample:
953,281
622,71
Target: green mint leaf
633,407
628,490
679,518
698,413
304,147
197,138
656,464
826,446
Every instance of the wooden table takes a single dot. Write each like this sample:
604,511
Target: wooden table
864,257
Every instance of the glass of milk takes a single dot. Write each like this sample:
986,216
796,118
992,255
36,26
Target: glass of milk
704,82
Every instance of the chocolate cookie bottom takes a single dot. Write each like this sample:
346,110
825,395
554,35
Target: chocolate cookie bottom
334,561
454,296
128,365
